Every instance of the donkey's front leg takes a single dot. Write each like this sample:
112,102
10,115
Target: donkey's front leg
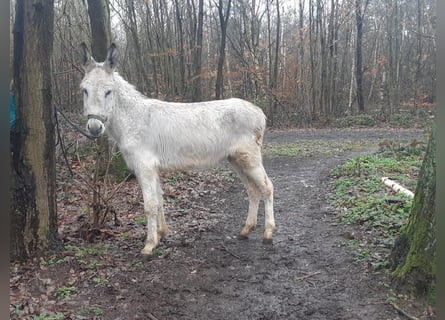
152,194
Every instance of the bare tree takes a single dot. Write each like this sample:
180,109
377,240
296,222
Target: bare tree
197,55
331,60
223,21
359,14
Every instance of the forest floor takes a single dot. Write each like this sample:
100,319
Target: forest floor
201,270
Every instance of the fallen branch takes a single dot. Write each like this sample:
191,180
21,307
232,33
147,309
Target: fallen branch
401,311
397,187
230,252
307,276
152,317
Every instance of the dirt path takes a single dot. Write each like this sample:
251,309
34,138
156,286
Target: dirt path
207,273
204,272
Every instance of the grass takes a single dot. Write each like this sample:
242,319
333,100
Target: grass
44,316
362,200
142,220
309,148
91,311
64,292
281,150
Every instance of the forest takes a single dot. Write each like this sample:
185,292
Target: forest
300,60
339,82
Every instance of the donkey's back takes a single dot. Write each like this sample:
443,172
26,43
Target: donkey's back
195,135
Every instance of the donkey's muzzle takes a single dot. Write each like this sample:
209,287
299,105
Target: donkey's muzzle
95,125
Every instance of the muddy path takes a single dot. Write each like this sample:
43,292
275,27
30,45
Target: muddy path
204,272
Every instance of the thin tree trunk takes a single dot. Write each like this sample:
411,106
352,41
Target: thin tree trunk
197,57
312,58
358,56
99,13
276,59
223,20
180,33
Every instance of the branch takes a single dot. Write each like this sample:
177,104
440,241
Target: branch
307,276
397,187
401,311
230,252
422,34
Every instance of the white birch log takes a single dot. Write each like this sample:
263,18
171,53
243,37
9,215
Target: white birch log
397,187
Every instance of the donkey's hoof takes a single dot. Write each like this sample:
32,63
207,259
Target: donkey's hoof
268,241
147,251
242,237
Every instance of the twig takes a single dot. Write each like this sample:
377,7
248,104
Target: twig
152,317
225,248
248,281
62,146
401,311
307,276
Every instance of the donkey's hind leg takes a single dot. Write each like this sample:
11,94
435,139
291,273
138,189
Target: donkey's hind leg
249,163
161,224
259,177
254,200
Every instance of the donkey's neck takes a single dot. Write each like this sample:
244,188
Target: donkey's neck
130,106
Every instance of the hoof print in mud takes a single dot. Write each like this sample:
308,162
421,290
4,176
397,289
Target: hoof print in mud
147,257
242,237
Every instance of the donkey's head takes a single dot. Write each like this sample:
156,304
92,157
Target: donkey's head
97,87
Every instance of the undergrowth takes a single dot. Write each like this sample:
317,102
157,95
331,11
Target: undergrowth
375,210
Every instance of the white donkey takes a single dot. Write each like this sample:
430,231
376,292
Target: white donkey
154,135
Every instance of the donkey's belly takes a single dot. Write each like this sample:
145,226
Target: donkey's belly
192,160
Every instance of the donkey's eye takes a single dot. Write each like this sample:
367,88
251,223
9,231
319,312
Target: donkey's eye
85,92
107,93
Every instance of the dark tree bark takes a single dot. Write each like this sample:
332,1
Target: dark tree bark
197,56
223,21
414,254
180,33
274,79
99,13
312,57
33,205
358,56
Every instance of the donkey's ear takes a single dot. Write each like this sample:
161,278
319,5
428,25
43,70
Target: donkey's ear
111,60
86,59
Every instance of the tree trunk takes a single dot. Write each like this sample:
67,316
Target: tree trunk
358,56
312,57
33,205
223,20
413,257
197,55
180,33
99,13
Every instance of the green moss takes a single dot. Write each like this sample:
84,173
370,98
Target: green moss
418,269
419,266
